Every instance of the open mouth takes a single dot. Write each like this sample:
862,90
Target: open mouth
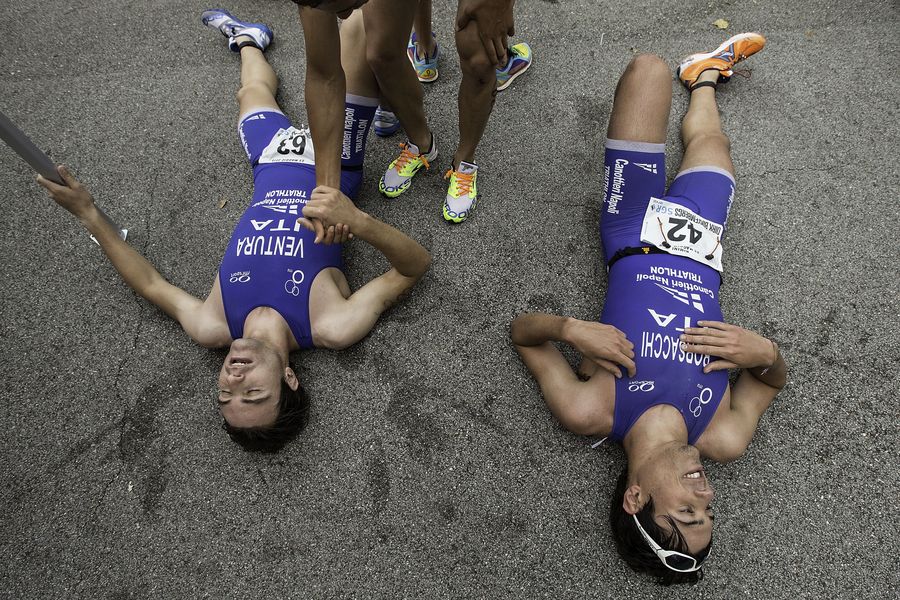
698,474
240,362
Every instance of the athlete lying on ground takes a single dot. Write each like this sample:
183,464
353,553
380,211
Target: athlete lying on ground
662,322
280,286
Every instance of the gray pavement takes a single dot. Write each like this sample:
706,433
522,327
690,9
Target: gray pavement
431,467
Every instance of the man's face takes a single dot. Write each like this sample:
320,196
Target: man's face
250,384
680,490
342,8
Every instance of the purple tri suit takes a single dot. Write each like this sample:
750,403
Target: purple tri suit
271,260
652,295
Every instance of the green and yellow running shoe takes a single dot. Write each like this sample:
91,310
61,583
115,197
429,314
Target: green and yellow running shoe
462,193
400,172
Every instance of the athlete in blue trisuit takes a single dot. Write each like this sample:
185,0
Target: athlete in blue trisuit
280,286
654,374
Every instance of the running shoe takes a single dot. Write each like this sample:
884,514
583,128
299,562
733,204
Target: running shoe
722,59
462,193
519,60
426,66
386,123
221,19
399,174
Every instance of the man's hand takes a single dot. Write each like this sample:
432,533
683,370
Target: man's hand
603,344
73,196
331,215
736,347
495,24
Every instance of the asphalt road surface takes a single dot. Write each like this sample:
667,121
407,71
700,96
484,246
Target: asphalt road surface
431,467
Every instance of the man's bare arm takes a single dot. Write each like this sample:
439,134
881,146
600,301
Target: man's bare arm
764,375
325,92
350,321
581,407
137,271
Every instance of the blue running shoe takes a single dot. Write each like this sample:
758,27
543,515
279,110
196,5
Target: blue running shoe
386,123
519,60
426,67
221,19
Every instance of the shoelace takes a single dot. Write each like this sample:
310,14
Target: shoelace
406,155
464,181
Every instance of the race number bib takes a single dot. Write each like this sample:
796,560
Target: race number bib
678,230
290,145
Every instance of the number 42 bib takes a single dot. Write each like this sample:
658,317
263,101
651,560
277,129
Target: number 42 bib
678,230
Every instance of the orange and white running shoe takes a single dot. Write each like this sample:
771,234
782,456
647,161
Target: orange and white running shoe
722,59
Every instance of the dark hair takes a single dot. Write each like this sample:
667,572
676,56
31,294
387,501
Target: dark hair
293,407
633,547
309,3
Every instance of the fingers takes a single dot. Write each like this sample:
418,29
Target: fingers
500,49
306,223
629,366
490,48
464,18
328,239
67,177
611,367
313,224
715,325
719,365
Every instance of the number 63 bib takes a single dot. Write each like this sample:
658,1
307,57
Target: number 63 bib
678,230
289,145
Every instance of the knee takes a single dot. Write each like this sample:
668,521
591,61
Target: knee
714,140
382,56
473,59
252,89
648,67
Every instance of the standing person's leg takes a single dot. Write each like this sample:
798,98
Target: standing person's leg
423,49
481,80
477,91
388,24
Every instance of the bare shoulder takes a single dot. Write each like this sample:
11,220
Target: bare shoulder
719,441
207,324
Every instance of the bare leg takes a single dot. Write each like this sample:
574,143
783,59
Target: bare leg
259,83
643,98
476,92
422,27
388,23
701,131
360,79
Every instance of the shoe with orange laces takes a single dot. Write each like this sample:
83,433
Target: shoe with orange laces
462,193
400,172
722,59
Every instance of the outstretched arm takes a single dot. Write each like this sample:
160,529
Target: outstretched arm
352,320
764,375
325,92
137,272
583,407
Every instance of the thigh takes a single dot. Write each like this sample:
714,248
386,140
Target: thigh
642,101
388,24
633,173
258,128
707,190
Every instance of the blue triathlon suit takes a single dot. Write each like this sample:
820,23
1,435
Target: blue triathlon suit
653,296
271,260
